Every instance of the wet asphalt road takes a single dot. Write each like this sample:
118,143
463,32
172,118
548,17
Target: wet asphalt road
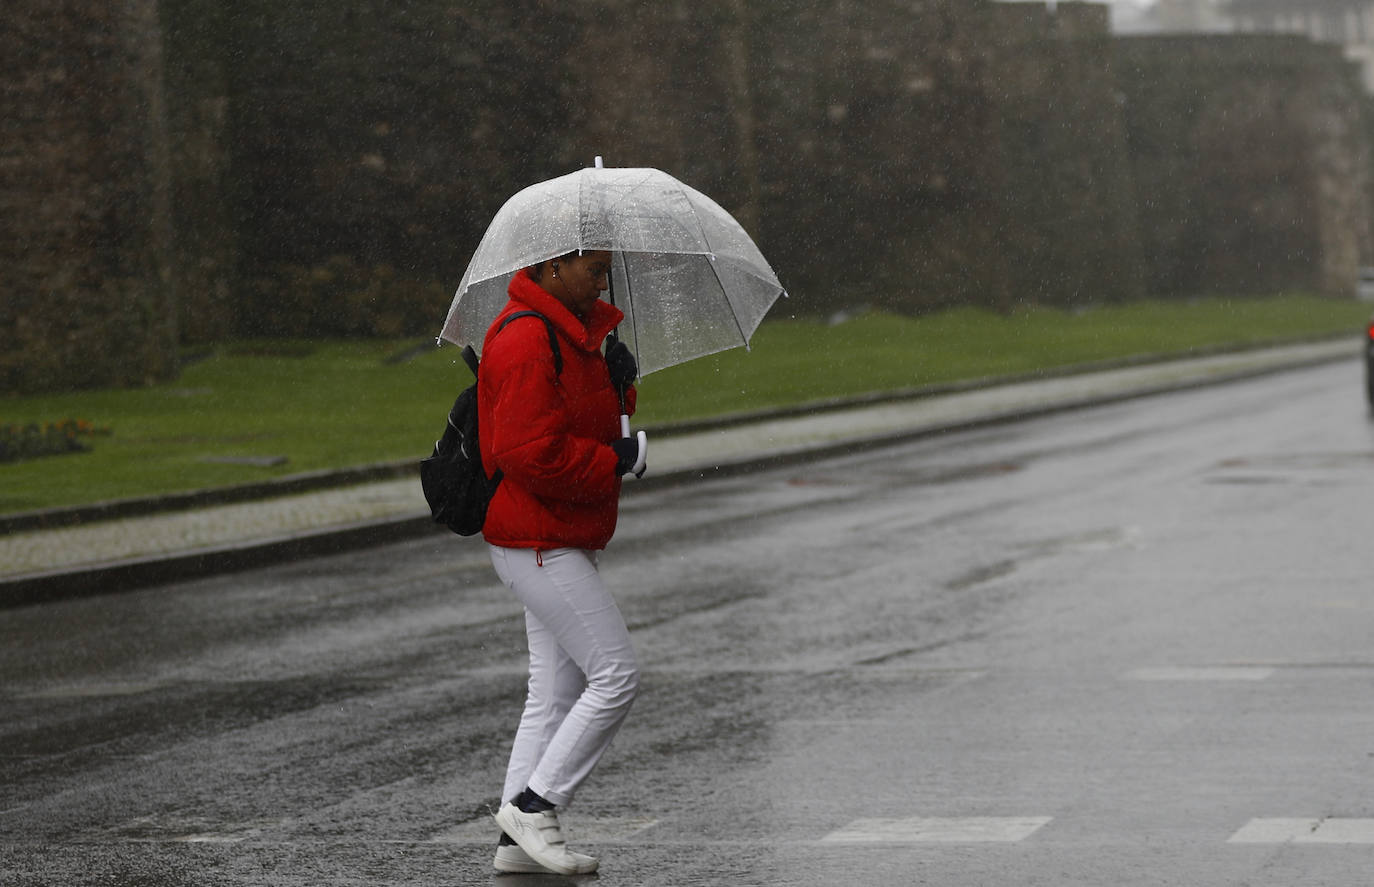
1127,646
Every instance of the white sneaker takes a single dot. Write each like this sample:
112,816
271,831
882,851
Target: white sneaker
541,837
512,860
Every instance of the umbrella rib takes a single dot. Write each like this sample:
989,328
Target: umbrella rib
734,314
629,306
581,191
711,263
633,188
644,179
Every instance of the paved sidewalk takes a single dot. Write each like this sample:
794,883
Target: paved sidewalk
92,558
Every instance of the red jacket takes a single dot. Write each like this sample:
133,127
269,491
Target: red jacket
550,436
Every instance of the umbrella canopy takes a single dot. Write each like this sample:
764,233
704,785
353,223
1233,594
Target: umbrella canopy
690,280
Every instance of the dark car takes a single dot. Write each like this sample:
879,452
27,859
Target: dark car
1369,362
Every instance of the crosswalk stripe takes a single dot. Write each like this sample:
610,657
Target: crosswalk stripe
1305,831
925,830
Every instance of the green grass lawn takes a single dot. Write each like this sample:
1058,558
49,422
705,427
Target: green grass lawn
342,403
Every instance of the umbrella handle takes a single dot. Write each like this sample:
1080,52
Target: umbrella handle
620,390
643,457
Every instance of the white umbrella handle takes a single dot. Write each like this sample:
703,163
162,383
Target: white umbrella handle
643,457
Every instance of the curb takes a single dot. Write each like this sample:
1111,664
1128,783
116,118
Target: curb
141,572
305,482
129,574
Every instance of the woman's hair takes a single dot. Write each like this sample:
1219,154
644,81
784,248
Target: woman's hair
536,270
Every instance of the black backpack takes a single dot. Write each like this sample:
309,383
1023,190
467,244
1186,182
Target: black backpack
456,486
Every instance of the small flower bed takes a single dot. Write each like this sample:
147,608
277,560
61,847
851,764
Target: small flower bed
19,442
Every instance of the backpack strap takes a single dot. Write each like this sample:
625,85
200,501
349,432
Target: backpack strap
470,358
553,338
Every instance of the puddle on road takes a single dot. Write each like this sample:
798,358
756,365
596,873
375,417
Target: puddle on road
1302,468
1106,539
92,690
933,474
979,575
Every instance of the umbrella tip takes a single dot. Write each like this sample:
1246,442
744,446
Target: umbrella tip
599,164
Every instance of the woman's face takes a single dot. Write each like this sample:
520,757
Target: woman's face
578,281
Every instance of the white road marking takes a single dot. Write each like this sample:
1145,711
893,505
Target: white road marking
1201,673
918,830
1305,831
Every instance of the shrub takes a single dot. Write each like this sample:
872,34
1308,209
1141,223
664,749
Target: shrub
31,441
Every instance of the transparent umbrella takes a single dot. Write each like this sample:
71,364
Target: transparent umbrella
690,280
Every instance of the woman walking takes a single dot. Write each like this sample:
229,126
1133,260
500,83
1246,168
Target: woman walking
548,409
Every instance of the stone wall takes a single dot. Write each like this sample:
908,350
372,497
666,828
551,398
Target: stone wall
1250,157
327,168
390,133
86,288
206,230
1056,151
871,118
918,155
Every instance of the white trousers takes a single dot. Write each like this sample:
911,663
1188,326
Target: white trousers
583,674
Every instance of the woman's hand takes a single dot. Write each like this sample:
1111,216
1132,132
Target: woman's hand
621,364
627,456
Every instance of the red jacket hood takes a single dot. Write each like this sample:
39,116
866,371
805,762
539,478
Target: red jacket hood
526,295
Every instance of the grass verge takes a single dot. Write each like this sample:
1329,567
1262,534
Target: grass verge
265,410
